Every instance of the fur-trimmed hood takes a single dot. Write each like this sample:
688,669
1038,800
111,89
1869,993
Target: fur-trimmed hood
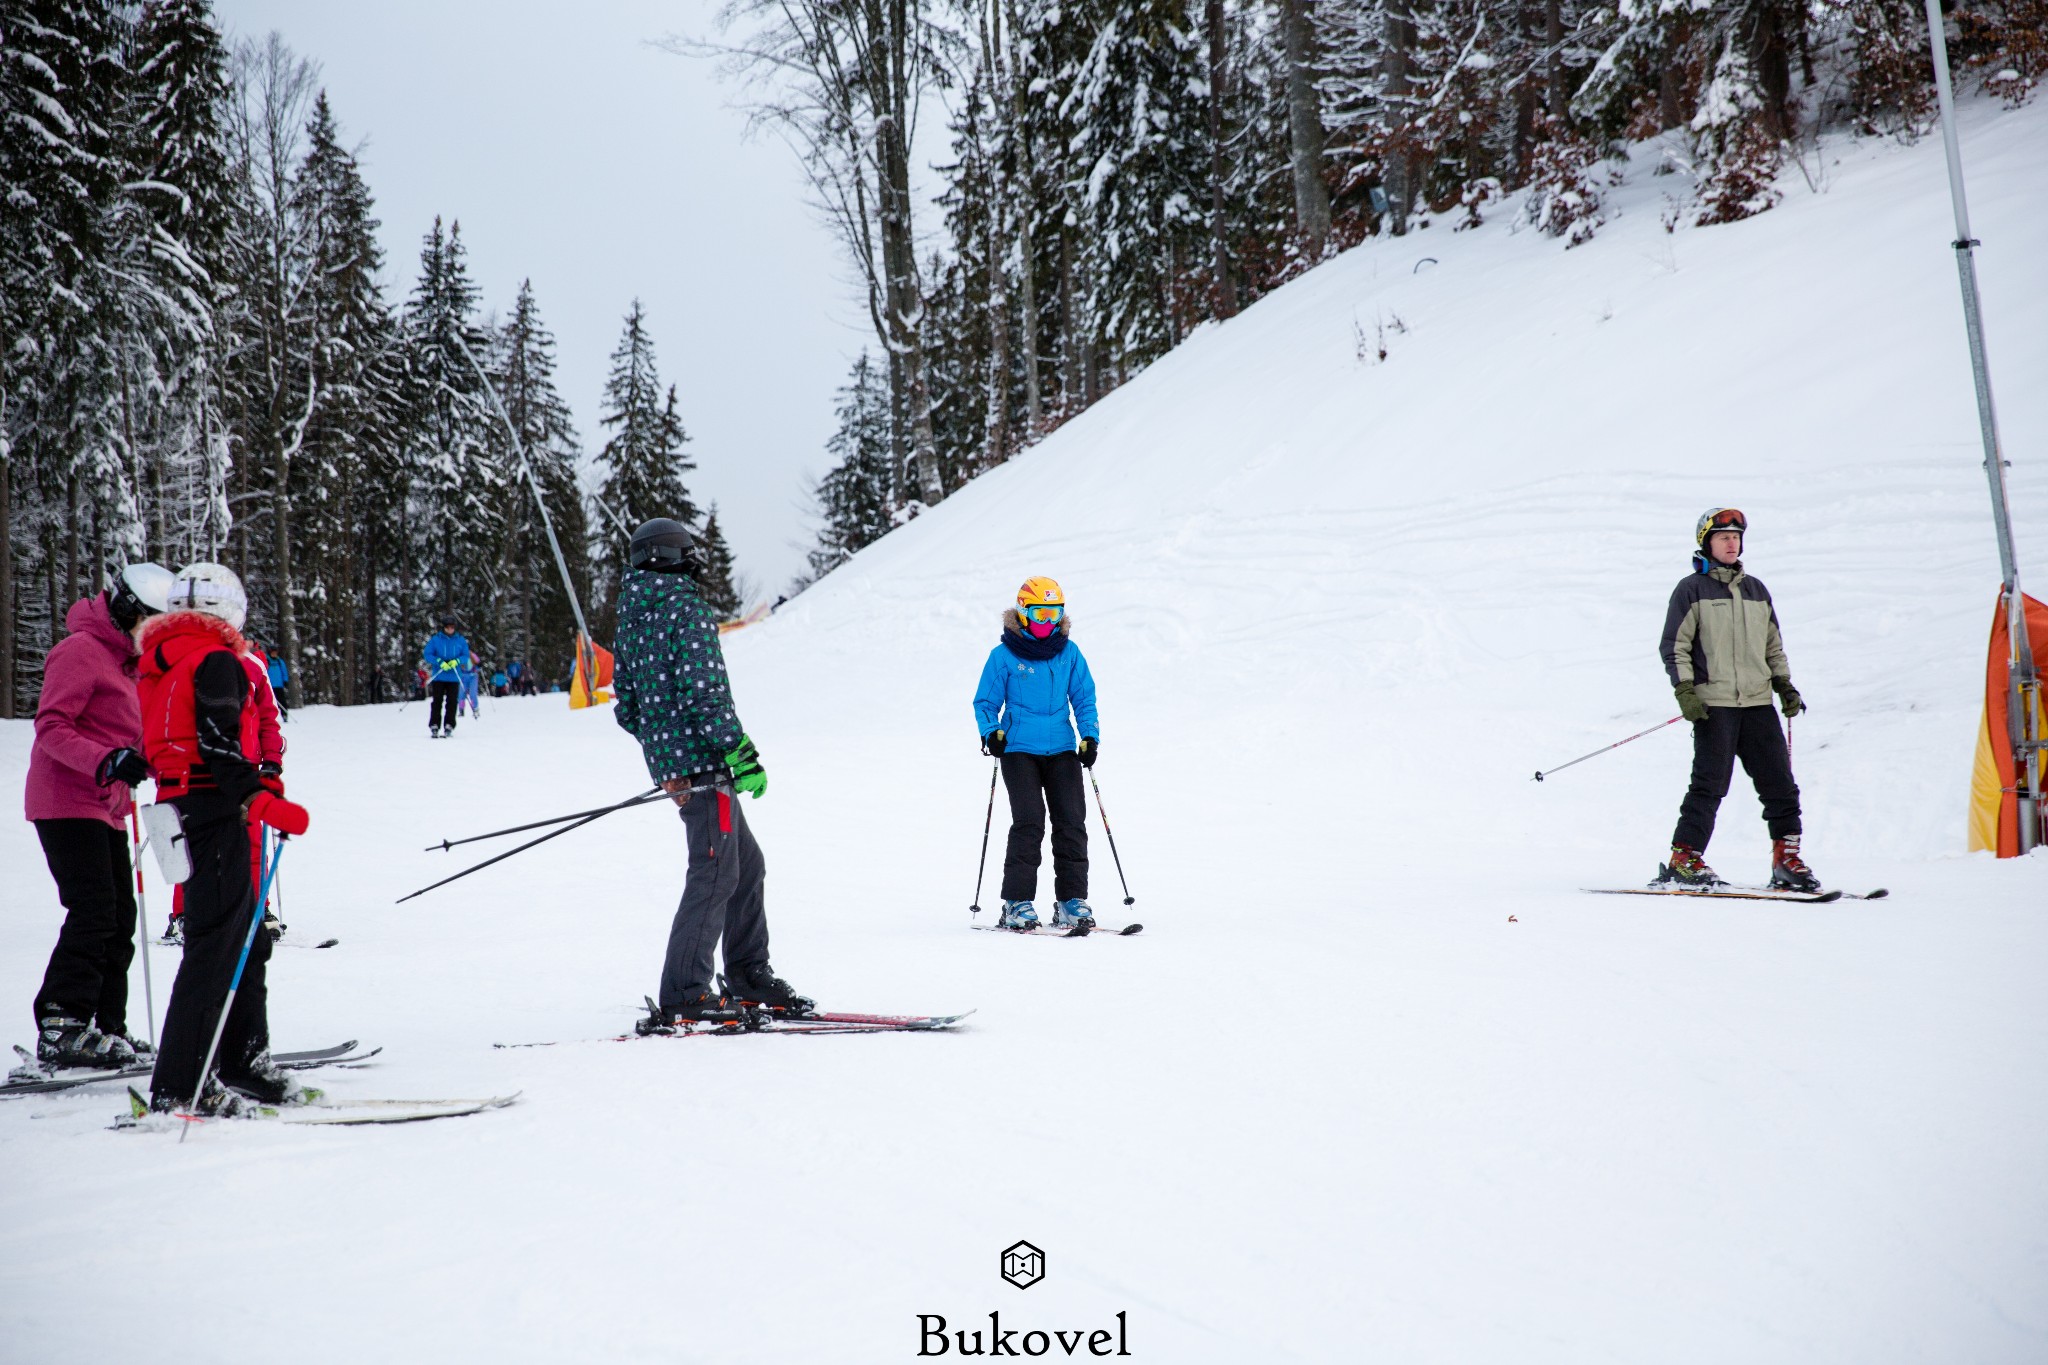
169,637
1022,643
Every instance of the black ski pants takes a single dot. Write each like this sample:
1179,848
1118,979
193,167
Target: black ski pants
1036,782
87,978
446,704
724,896
1752,734
219,901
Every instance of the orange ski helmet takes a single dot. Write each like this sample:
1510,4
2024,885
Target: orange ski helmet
1040,605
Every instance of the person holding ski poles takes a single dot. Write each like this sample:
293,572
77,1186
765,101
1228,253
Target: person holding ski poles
85,760
445,656
1724,656
1033,679
200,728
671,694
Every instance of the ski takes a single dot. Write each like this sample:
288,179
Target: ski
25,1080
1106,930
756,1023
291,1063
320,1111
1725,892
71,1081
318,1054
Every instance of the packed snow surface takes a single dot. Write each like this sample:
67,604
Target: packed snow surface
1378,1081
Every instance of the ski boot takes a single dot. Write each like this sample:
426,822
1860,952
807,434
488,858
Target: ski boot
215,1101
174,933
273,926
1789,871
260,1080
1019,915
757,986
1073,914
64,1041
139,1046
697,1007
1687,869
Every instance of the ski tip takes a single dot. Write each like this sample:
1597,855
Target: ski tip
1824,897
1877,895
1128,930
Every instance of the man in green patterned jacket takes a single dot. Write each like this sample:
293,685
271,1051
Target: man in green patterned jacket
669,680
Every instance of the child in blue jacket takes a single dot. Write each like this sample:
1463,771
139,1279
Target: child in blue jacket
1030,684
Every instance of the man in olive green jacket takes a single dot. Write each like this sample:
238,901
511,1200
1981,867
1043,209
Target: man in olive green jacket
1725,658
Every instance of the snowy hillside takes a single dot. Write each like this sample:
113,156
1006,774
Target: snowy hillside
1377,1082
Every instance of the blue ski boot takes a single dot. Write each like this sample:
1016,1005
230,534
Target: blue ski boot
1073,914
1019,915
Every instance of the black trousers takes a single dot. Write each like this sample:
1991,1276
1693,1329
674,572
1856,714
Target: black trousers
725,896
1750,733
87,978
446,704
219,901
1035,782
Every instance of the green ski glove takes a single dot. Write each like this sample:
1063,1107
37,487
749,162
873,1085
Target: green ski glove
1789,700
1689,704
747,773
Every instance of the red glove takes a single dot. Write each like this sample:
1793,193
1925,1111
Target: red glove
284,816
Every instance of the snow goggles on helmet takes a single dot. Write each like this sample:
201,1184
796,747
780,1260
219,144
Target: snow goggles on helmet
1043,613
1726,519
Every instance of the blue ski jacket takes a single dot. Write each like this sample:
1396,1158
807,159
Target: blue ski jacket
1027,690
445,656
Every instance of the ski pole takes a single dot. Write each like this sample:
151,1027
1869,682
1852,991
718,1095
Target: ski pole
1616,745
447,844
595,815
248,940
1103,811
142,920
981,868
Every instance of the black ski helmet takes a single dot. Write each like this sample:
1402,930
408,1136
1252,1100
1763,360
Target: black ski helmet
663,545
137,591
447,620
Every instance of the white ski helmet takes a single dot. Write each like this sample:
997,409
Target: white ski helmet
140,590
211,588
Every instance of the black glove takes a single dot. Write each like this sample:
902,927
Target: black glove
993,743
122,765
271,776
1089,744
1789,700
1689,704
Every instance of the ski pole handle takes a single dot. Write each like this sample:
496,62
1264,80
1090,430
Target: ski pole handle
1616,745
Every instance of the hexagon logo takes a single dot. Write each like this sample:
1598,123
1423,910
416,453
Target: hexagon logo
1023,1264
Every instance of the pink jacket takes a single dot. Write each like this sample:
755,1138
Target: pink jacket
88,709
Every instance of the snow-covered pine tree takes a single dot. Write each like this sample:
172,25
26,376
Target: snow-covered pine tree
860,498
458,490
643,460
523,368
717,580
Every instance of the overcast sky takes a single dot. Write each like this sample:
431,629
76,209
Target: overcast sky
603,169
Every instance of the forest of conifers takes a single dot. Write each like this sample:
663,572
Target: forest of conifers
206,355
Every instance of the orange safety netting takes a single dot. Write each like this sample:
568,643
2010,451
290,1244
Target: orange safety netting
1994,811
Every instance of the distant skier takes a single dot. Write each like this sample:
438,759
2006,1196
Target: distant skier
1033,679
445,656
1723,653
278,675
200,727
672,694
469,675
85,759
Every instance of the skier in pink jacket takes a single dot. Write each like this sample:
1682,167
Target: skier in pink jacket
85,759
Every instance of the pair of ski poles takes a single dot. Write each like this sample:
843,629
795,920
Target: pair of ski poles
988,821
574,820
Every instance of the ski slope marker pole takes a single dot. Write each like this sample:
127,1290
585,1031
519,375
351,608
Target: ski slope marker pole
1103,811
981,868
595,815
142,919
248,940
447,844
1616,745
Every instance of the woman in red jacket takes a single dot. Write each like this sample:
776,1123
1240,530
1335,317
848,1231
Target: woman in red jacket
201,735
88,731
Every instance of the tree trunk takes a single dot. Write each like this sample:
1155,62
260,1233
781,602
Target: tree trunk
1394,67
1553,37
70,549
1069,367
995,447
7,605
1024,194
903,301
281,543
1305,128
1224,289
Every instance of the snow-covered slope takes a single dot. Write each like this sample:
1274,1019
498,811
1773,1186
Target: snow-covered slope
1377,1082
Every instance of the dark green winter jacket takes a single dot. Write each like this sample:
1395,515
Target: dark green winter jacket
668,677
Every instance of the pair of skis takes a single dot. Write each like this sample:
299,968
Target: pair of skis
1732,891
754,1020
31,1078
319,1111
1059,932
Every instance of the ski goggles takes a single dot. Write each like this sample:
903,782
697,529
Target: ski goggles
1727,519
1043,613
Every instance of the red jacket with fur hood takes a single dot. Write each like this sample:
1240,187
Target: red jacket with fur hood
198,732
